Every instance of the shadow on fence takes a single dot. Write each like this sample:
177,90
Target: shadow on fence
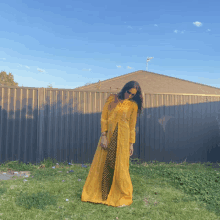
69,130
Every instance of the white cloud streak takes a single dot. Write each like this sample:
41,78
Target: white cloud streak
197,23
40,70
128,67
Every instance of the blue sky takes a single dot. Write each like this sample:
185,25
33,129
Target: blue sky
71,43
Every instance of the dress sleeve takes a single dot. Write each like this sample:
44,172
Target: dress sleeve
132,123
104,117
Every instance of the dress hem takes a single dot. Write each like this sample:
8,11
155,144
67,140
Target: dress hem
103,203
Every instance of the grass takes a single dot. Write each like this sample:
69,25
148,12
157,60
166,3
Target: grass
161,191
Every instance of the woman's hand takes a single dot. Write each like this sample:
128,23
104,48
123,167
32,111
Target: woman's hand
131,149
104,142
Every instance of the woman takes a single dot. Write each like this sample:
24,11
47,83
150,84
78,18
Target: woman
108,181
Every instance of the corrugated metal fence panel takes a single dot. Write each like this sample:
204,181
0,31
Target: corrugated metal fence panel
152,124
208,126
71,112
4,96
178,127
66,125
190,133
30,147
205,124
214,152
200,150
142,127
18,124
162,124
65,142
92,118
198,130
181,147
86,121
71,127
207,132
136,145
40,130
169,128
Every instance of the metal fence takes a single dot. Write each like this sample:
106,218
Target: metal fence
37,123
178,127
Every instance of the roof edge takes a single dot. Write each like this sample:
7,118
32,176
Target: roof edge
118,77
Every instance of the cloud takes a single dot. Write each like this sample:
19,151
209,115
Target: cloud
3,58
155,25
25,66
128,67
132,27
86,69
40,70
208,30
197,23
176,31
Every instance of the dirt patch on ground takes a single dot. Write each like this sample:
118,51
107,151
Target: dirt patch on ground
12,174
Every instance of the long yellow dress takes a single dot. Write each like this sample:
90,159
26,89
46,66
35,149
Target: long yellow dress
108,181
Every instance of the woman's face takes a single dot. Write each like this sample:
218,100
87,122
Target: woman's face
129,96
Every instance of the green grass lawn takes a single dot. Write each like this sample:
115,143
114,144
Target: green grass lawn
161,191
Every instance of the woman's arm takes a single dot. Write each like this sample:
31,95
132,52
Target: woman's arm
104,117
132,123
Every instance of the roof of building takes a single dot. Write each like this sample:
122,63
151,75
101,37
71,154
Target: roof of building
152,83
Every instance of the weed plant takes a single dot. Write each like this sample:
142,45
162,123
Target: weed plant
161,191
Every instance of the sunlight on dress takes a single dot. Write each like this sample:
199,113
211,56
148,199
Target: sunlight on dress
108,181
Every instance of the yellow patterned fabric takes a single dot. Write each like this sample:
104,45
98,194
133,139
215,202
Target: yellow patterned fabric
108,181
109,165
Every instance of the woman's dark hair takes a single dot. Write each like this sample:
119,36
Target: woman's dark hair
138,98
